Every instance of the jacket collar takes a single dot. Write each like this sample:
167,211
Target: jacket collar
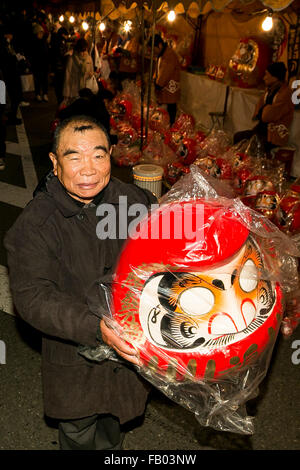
69,206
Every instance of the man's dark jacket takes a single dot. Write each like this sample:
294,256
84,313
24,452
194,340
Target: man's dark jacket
55,262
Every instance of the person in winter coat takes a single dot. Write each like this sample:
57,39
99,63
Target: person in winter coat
167,76
40,63
56,262
60,52
111,41
79,68
129,58
274,110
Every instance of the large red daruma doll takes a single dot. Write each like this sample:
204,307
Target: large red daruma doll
195,303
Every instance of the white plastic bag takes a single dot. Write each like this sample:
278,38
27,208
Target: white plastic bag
92,84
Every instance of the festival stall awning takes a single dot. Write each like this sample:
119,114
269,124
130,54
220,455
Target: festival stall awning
218,5
125,8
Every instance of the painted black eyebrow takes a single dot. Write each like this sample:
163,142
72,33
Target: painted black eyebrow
82,128
98,147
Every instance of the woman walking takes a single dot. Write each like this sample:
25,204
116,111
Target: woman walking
79,69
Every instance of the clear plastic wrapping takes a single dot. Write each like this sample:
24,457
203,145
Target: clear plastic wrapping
216,144
126,155
157,152
291,317
199,294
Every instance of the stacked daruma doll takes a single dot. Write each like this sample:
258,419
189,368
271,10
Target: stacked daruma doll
193,295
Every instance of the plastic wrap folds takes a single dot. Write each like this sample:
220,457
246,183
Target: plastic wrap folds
199,293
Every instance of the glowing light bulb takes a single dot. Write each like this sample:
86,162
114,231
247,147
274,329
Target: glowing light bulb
267,24
61,18
102,26
127,26
85,26
171,15
71,19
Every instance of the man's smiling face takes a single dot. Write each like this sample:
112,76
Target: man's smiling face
82,160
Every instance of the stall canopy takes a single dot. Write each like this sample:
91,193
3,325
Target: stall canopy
217,5
223,23
116,8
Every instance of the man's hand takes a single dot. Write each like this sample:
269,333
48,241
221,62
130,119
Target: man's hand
115,342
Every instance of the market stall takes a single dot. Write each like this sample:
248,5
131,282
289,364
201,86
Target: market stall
226,41
201,95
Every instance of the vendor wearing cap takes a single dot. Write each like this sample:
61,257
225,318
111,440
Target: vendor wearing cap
274,111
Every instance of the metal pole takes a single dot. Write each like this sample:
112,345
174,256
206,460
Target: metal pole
142,79
196,46
151,68
94,34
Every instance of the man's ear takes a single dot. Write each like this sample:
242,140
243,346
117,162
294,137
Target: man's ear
53,159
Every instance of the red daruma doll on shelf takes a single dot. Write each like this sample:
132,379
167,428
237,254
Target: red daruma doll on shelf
193,295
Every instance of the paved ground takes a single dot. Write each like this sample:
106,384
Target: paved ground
166,425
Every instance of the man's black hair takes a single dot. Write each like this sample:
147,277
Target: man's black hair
86,123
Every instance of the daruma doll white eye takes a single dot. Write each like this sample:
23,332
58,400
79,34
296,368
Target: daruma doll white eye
197,301
248,276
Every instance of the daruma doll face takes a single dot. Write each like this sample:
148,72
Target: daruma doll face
193,311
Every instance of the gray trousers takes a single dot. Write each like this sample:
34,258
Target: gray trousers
97,432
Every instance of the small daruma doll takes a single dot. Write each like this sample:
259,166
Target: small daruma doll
191,293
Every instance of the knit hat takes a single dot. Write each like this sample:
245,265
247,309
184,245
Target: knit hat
278,70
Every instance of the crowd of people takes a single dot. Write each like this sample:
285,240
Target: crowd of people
24,48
